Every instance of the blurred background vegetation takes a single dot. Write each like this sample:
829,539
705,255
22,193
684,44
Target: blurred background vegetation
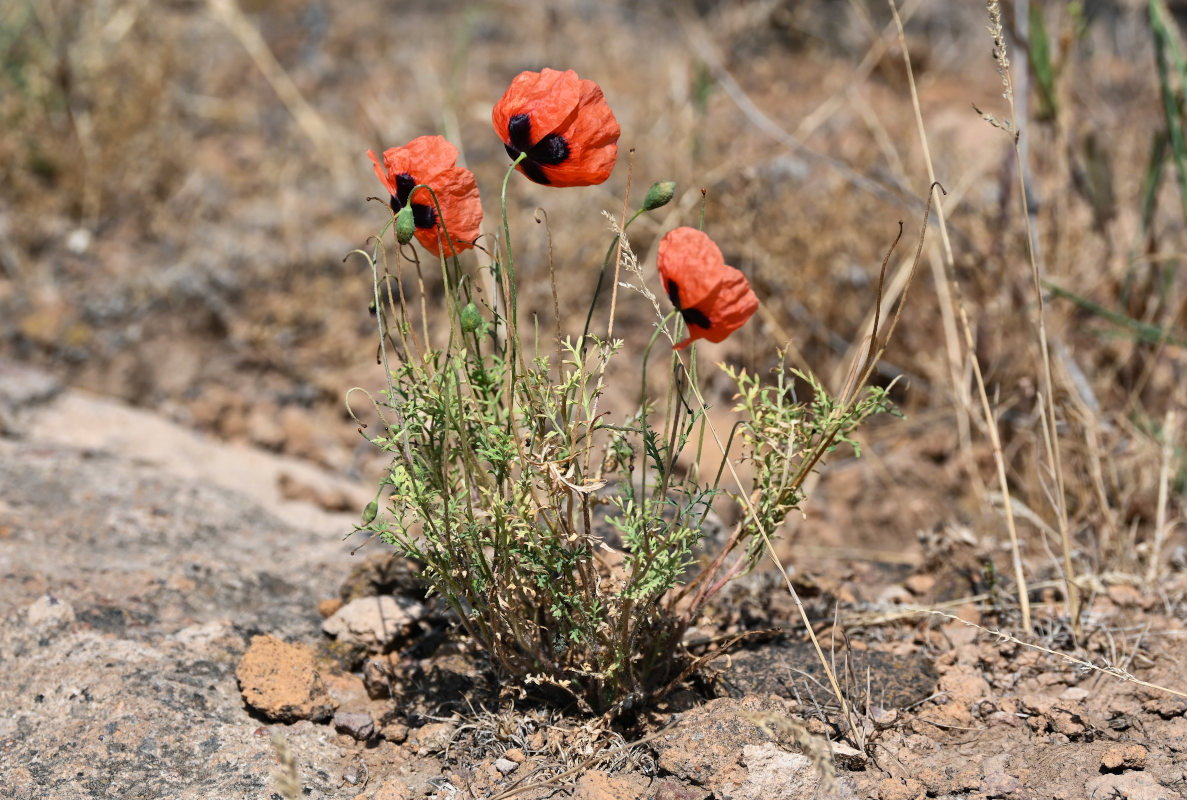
180,182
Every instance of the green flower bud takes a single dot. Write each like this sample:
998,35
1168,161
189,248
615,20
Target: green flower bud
405,224
370,512
660,194
471,318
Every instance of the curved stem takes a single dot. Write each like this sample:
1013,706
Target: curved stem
512,315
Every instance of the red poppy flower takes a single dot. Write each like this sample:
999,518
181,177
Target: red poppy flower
564,126
430,160
714,298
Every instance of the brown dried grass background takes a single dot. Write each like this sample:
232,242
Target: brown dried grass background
182,180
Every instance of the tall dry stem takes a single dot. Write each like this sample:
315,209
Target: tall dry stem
1050,419
962,314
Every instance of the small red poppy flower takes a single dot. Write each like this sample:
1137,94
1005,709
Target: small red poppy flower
430,160
714,298
564,126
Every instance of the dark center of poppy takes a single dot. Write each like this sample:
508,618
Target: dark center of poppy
424,216
548,152
691,316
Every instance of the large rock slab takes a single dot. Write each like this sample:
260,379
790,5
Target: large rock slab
131,583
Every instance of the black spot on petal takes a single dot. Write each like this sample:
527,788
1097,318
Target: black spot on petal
534,171
674,294
405,183
519,131
424,216
550,151
695,317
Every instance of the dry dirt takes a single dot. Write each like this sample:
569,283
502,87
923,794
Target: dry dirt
180,183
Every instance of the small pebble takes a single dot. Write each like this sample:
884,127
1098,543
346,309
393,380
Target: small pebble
884,718
49,612
505,766
919,585
1124,756
358,724
377,678
329,606
394,732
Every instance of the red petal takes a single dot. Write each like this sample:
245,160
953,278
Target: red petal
548,97
423,157
431,160
461,210
591,132
388,183
690,259
730,307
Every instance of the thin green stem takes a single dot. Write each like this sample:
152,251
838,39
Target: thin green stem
510,265
643,402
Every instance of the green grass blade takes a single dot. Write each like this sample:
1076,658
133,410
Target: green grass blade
1142,331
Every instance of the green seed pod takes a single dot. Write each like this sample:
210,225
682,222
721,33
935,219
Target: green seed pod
471,318
370,512
660,194
405,225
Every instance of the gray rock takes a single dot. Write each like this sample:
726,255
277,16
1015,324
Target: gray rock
356,724
22,386
374,623
1130,785
166,577
775,774
48,612
352,775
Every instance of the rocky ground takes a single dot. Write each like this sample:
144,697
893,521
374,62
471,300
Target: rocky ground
175,627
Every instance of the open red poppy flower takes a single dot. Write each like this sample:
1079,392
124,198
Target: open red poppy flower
430,160
564,126
714,298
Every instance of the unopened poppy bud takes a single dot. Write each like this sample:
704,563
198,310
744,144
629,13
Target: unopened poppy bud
370,512
405,225
660,194
471,318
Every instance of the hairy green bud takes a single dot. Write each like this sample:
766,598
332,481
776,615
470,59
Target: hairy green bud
660,194
471,318
405,225
370,512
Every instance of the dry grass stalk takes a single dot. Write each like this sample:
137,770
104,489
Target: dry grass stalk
1116,672
1050,420
962,315
1170,430
325,141
288,782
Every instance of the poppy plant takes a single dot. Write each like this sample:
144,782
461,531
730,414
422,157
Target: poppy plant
561,124
714,298
432,161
